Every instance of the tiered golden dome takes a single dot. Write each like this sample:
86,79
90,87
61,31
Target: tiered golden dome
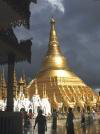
62,85
54,63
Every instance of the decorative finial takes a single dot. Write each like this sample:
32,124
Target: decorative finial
53,34
21,80
52,20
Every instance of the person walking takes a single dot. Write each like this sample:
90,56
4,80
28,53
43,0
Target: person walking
30,117
26,120
54,119
83,117
69,121
42,123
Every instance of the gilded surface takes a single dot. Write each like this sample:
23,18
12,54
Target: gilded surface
62,86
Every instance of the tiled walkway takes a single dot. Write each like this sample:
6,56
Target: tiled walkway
94,128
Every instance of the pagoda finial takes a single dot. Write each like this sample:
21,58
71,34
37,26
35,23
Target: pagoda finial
21,82
53,35
52,20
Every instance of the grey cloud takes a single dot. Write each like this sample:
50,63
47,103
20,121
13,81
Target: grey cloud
79,36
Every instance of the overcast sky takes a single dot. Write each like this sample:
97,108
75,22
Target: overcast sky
78,28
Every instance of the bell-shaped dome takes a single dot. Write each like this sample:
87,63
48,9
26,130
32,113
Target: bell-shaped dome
54,63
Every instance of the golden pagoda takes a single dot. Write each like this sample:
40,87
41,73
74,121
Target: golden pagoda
22,86
62,86
3,86
15,87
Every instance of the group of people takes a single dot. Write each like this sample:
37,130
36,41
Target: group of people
87,120
27,121
42,123
41,120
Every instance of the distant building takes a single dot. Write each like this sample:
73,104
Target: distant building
21,96
17,85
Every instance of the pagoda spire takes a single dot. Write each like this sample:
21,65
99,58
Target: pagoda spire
3,85
62,84
53,39
24,77
21,81
15,81
25,84
3,76
44,91
54,58
53,35
14,84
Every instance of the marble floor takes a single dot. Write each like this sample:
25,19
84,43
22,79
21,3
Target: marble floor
93,128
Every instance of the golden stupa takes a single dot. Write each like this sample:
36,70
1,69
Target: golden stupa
60,85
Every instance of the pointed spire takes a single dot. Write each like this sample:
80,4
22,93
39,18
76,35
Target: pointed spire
24,84
3,84
21,81
24,78
53,35
14,84
53,40
14,79
44,91
3,76
36,88
54,98
14,74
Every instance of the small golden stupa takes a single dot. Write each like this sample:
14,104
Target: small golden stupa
56,79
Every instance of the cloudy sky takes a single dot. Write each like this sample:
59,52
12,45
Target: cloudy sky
78,28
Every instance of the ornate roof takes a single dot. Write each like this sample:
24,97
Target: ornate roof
15,12
10,45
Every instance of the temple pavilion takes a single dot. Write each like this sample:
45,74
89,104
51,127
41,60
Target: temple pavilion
13,13
58,82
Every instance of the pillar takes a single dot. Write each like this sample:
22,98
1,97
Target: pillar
11,64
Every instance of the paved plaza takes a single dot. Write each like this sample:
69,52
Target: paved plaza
93,128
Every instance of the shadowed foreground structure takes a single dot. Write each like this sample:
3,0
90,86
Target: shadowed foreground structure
12,13
11,51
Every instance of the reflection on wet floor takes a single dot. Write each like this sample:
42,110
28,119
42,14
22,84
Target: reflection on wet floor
93,128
